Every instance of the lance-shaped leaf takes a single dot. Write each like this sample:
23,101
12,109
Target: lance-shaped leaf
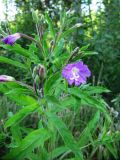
21,51
90,100
12,62
28,144
58,151
17,49
51,82
70,30
65,134
50,24
19,116
86,134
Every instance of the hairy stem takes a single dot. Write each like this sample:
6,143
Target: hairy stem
32,39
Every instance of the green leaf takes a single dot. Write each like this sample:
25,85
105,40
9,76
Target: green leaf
16,134
96,90
88,53
57,152
18,117
12,62
108,139
50,24
84,48
15,88
22,100
69,31
60,105
18,91
90,100
60,60
45,46
28,144
17,49
87,132
32,156
43,153
58,48
65,134
51,82
112,150
116,136
2,138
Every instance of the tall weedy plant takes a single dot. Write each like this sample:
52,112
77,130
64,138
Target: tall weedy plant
70,120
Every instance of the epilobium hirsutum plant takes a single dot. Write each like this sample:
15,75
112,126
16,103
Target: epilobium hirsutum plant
61,115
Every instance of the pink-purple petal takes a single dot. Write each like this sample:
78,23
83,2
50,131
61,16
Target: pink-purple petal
11,39
70,82
69,73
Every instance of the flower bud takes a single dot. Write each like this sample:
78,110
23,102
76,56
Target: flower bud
41,71
78,24
39,75
35,16
4,78
11,39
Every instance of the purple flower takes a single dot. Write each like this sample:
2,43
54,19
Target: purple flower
11,39
76,73
4,78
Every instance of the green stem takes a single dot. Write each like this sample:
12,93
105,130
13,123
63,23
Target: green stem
32,39
25,85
